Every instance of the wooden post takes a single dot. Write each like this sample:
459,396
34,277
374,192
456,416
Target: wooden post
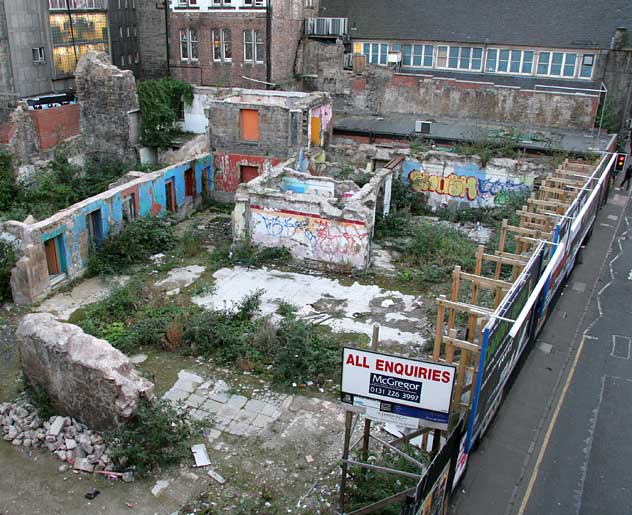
345,457
367,422
501,246
436,353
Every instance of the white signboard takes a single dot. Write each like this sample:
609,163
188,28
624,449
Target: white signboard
406,382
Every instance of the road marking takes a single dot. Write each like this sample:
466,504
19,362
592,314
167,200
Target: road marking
620,347
549,431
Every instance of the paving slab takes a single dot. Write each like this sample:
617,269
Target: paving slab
195,401
237,401
176,395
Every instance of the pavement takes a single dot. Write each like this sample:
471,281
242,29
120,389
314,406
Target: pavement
558,444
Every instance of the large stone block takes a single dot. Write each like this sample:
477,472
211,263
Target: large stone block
85,377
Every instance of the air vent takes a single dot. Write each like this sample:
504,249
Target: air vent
422,126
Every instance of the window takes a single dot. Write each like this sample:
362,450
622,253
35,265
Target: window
136,58
188,45
417,55
122,60
253,46
128,32
189,183
459,58
249,119
557,64
121,31
505,60
129,208
309,3
586,68
129,58
221,42
194,44
184,45
222,3
38,55
375,53
135,31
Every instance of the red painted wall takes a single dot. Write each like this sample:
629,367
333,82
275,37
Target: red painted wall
56,124
227,168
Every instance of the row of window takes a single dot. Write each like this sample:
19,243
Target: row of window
223,3
129,59
498,60
126,4
128,31
78,4
221,45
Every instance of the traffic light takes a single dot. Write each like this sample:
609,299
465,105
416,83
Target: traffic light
620,162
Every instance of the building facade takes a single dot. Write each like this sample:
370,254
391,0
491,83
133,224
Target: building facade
447,49
41,42
236,43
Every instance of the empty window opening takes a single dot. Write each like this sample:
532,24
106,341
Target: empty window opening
170,195
248,173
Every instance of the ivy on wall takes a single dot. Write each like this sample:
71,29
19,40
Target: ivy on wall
161,102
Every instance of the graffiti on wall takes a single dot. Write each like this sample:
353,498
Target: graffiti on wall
309,236
465,183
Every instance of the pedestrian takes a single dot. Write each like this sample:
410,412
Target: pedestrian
628,176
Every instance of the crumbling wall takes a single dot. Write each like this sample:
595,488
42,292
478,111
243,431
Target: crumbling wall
108,100
19,136
451,179
85,377
380,90
69,229
315,218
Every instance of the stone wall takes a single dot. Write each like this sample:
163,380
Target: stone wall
152,39
7,87
618,80
86,378
453,180
19,135
379,90
108,99
68,231
316,218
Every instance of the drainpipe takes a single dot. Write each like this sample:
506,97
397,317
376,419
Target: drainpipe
268,42
167,35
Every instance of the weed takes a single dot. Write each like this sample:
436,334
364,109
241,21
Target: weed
191,244
133,244
8,257
286,309
248,255
39,397
158,435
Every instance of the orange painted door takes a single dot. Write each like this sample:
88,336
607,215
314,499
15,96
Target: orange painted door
170,196
315,136
50,247
249,125
189,183
248,173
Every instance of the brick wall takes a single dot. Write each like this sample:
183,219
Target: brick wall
378,90
206,72
152,39
287,29
56,124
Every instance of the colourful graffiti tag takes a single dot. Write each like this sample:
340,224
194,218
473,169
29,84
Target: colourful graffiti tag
453,185
333,238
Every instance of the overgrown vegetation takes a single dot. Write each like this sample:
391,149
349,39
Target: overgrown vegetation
8,258
39,397
133,244
610,121
370,486
161,102
58,186
287,351
489,146
157,436
248,255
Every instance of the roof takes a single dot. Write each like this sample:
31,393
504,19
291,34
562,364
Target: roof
402,126
541,23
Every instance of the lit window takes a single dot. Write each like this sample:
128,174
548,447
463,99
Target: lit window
221,42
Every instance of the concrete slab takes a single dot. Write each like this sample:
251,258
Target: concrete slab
195,401
176,395
236,401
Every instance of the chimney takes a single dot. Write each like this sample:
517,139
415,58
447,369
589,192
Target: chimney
620,39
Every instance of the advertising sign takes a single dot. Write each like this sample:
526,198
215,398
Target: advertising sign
410,387
434,502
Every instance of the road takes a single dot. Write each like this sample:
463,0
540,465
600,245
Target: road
560,442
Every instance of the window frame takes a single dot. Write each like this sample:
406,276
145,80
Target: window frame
456,53
510,60
38,55
381,55
220,41
550,64
255,46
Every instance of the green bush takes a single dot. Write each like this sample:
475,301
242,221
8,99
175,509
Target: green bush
133,244
161,102
248,255
8,185
158,435
437,248
8,257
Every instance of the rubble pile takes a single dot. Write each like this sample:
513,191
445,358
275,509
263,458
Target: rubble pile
69,440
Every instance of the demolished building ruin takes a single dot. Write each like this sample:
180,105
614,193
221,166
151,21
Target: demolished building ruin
318,219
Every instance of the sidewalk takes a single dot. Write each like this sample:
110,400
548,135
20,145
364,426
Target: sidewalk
500,468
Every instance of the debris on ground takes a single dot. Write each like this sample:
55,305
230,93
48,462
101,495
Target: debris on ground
66,438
